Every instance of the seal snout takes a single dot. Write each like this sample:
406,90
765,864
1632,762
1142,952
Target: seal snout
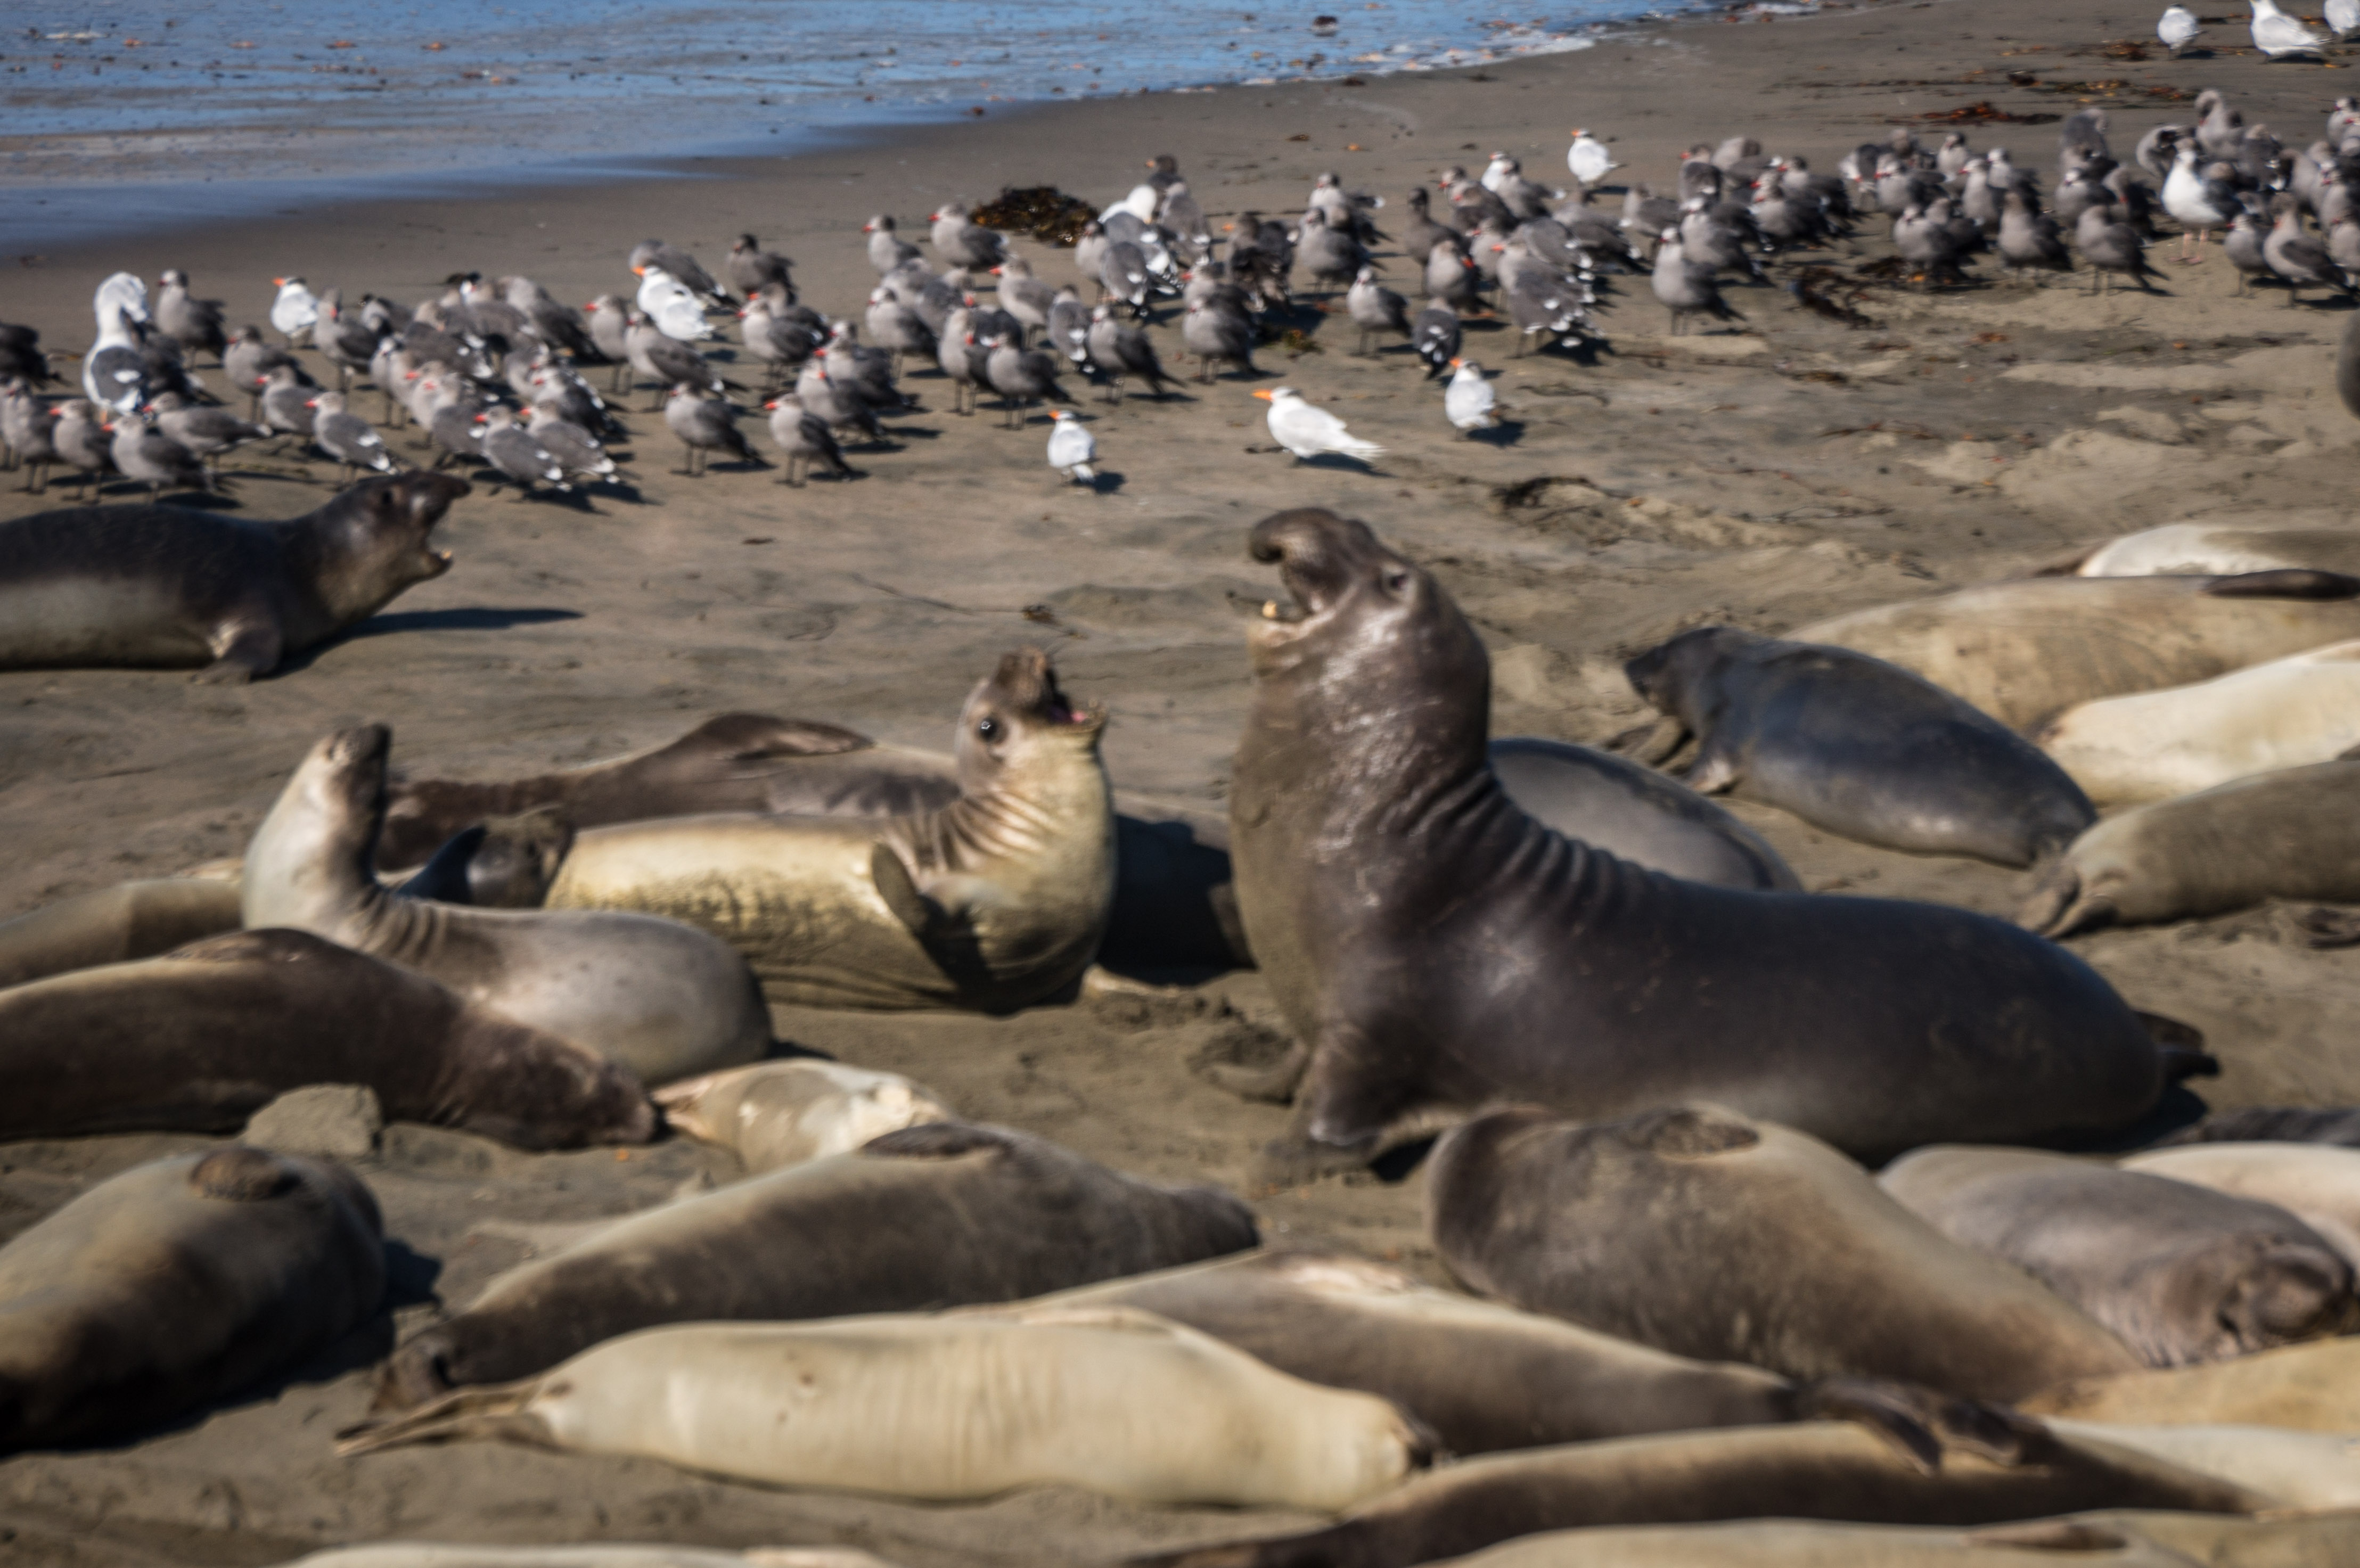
1026,682
1319,555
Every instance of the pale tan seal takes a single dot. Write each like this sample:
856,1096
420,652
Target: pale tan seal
658,997
2316,1386
2182,1273
1111,1400
994,902
2293,834
2091,1541
1709,1234
2222,549
2294,1469
776,1113
115,925
2024,651
609,1554
2318,1183
176,1282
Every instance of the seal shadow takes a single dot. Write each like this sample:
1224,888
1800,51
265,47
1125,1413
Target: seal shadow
475,618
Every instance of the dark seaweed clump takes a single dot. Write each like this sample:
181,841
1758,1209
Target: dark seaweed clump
1044,211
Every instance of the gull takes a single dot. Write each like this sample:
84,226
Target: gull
2281,36
296,311
1072,447
2197,204
1468,400
114,372
1589,159
346,436
2344,16
2177,28
1306,430
671,306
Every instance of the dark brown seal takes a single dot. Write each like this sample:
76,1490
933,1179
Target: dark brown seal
178,1282
200,1038
1437,949
171,587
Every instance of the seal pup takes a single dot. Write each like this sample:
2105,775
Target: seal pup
993,902
2150,746
2198,550
604,1554
1858,746
2314,1386
1708,1234
2010,1469
2022,651
776,1113
2290,834
200,1038
2318,1183
177,1282
1482,1375
2180,1272
171,587
950,1408
662,998
1436,949
115,925
937,1215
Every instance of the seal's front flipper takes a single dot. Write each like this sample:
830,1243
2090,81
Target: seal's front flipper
242,653
899,891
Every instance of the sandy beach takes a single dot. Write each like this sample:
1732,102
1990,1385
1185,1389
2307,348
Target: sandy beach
1764,479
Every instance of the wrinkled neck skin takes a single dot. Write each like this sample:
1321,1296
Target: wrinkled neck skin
1027,809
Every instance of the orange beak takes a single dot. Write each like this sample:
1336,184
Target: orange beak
279,283
1264,395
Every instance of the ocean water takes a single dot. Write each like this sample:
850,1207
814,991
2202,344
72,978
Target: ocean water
137,115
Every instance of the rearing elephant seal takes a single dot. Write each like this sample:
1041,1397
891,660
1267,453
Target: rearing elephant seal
1859,746
1437,949
661,998
994,901
177,1282
170,586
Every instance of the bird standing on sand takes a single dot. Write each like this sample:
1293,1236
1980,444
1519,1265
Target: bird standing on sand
1218,329
2111,246
79,441
1468,401
887,250
2197,204
1019,375
672,307
800,437
1308,431
609,319
115,373
1024,296
960,242
1587,157
571,443
2178,29
1375,309
666,360
2299,260
2030,241
1434,337
2282,37
1686,290
286,402
752,269
295,310
511,451
1118,349
674,262
209,432
25,426
2344,16
346,436
705,424
1072,447
147,454
194,323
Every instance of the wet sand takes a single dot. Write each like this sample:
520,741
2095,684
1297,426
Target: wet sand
1764,479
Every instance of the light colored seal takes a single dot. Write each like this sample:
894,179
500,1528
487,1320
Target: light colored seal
1434,948
198,1039
2093,1540
2314,1386
1817,1470
2180,1272
2222,549
115,925
993,902
171,587
1111,1400
2024,650
2318,1183
1482,1377
2150,746
658,997
777,1114
1635,812
937,1215
2293,1469
177,1282
2294,835
1858,746
1707,1235
607,1555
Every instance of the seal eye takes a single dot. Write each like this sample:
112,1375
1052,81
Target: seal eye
1396,580
988,728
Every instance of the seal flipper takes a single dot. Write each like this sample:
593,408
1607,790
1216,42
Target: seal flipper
499,1412
757,737
444,877
937,1140
2287,582
2061,905
899,891
2326,927
242,651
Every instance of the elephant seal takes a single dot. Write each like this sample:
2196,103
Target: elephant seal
2293,1469
662,998
1482,1377
2314,1386
994,902
500,863
177,1282
2115,1539
937,1215
2022,651
950,1408
2338,1126
776,1113
2180,1273
2318,1183
1859,746
171,587
1818,1470
115,925
1635,812
2222,549
2149,746
1707,1235
2294,835
1436,949
605,1554
200,1040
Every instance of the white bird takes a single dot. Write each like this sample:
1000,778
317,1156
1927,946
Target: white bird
1497,172
2190,202
122,293
115,373
295,312
1306,430
1072,447
1469,399
668,303
1589,159
2281,36
2344,16
1140,204
2177,28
